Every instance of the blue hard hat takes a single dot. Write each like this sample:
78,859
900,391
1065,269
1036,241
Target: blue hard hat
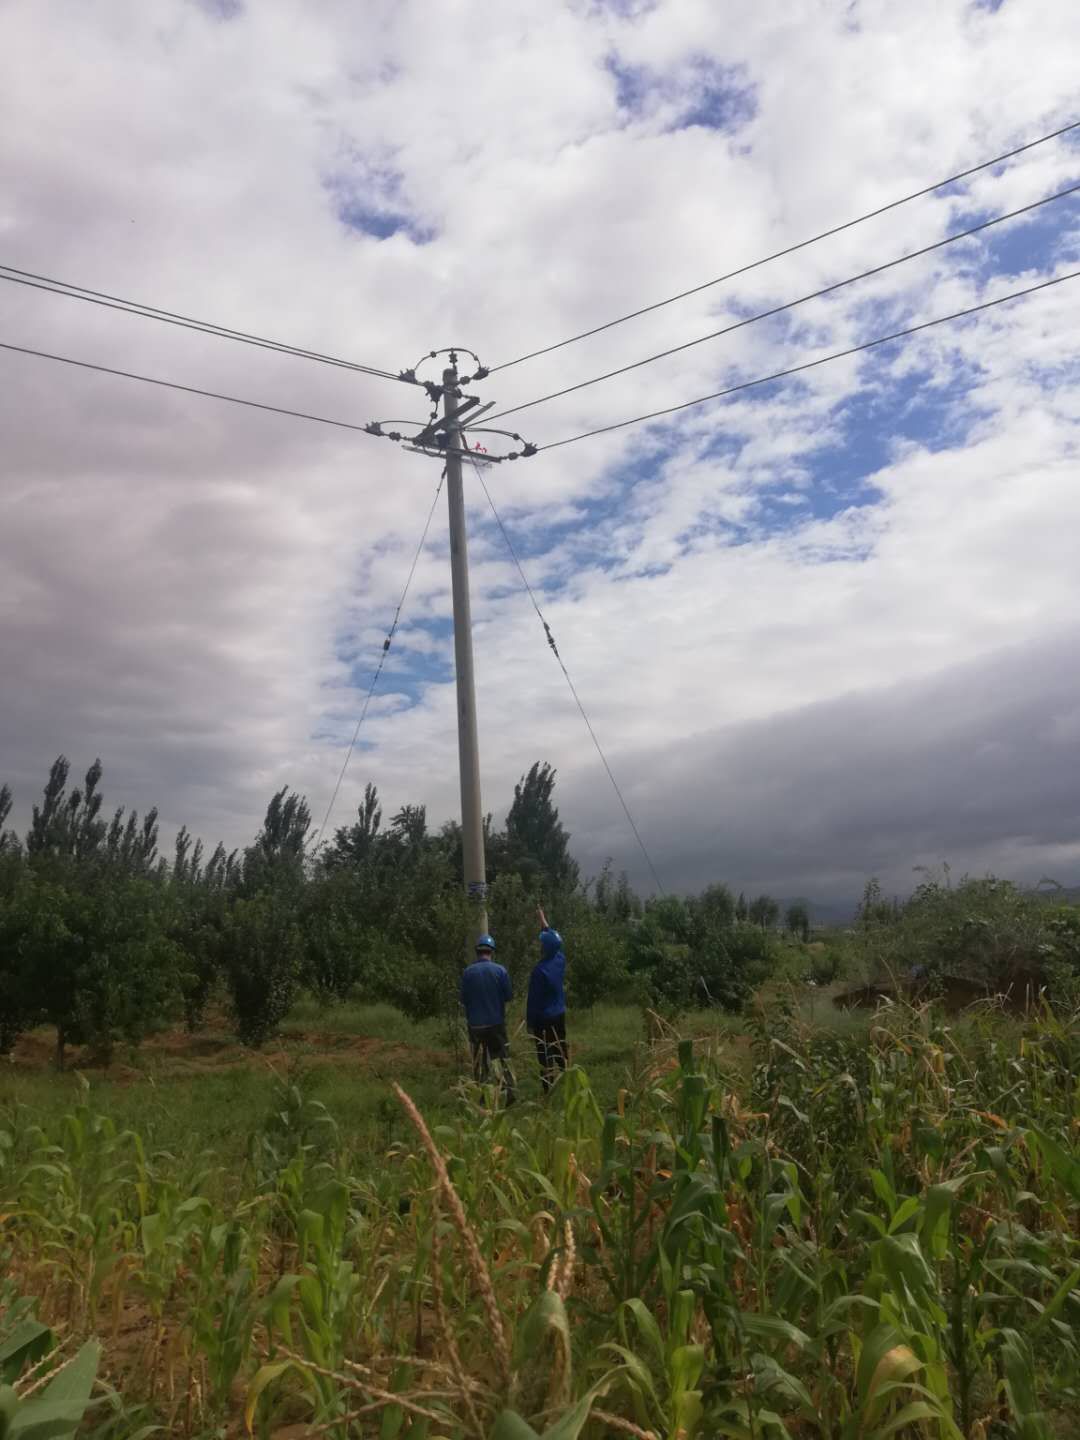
485,942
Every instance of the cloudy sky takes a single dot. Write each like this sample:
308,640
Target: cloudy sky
825,628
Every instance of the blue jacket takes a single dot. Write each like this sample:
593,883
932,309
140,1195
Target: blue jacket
547,998
485,989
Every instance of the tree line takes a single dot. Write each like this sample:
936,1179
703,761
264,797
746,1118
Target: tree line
107,940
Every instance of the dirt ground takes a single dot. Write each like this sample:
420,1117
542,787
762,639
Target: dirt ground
177,1053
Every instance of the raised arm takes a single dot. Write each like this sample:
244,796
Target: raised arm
542,918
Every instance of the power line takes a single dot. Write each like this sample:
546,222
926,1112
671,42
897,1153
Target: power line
186,389
573,690
52,286
792,304
791,249
812,364
382,661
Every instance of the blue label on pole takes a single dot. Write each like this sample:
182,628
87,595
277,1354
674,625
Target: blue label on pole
477,889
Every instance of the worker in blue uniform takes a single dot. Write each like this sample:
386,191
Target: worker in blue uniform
485,990
545,1008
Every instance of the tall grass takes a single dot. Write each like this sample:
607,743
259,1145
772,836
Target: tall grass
848,1232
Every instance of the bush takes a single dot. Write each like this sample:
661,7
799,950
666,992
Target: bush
89,955
694,954
984,930
261,959
596,967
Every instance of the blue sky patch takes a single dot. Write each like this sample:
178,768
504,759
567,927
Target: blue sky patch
723,98
1034,242
703,92
381,223
369,198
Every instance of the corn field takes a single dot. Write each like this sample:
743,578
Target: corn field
854,1235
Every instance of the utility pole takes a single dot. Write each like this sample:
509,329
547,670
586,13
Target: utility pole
445,437
472,815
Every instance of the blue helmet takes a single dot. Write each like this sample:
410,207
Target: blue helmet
485,942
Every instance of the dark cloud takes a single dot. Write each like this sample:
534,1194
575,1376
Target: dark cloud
975,767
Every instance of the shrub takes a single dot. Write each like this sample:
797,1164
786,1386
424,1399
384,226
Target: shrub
261,959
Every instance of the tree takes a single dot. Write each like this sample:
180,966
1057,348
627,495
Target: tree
353,844
764,911
9,841
537,845
94,960
714,909
133,846
616,901
874,911
797,920
742,910
262,955
67,826
408,829
277,856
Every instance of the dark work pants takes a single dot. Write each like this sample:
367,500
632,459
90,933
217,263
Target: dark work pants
489,1043
551,1052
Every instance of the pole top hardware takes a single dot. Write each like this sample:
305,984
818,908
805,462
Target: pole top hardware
452,352
438,435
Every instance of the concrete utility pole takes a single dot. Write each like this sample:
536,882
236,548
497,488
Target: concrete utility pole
472,815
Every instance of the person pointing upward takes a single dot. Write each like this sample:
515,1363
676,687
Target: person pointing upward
545,1007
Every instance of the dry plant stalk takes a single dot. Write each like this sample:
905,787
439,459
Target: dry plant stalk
627,1427
49,1374
381,1397
566,1275
468,1239
561,1274
456,1366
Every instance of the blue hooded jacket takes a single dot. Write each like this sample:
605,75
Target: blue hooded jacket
547,998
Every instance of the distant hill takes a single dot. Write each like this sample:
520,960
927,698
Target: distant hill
1066,895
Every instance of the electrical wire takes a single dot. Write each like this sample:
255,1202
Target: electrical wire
52,286
792,304
792,249
812,364
186,389
573,689
379,667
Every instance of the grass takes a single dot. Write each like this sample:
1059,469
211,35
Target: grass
203,1093
796,1224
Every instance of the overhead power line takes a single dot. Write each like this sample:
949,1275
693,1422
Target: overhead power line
791,304
792,249
185,389
812,364
51,286
321,832
573,689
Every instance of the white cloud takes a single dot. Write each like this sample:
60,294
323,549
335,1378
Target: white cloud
195,591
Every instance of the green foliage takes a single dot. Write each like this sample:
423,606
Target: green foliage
262,953
694,953
797,920
9,841
872,1234
94,960
537,845
764,911
276,860
986,930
